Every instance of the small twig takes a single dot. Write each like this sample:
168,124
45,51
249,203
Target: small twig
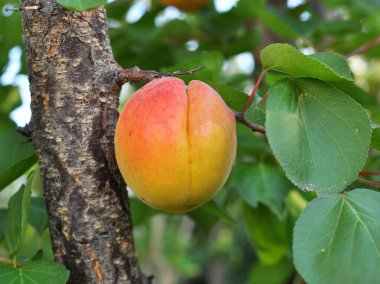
26,130
263,99
369,182
369,174
19,9
365,47
137,75
9,262
254,127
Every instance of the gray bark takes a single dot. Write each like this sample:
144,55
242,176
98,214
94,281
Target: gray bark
74,82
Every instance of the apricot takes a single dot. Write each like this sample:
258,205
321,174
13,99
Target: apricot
175,146
185,5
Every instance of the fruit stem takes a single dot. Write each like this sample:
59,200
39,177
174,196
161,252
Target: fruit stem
369,173
254,127
254,90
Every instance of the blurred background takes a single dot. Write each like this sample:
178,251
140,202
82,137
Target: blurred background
238,237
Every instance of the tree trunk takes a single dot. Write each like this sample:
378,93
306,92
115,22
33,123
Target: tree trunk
74,86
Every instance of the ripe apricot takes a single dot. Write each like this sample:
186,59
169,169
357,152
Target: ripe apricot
175,146
185,5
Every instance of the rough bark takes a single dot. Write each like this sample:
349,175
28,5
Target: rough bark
74,86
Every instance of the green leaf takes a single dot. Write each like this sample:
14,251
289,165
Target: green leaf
3,218
261,183
212,62
270,236
18,211
375,140
287,59
16,157
207,215
319,135
278,273
82,5
337,239
41,272
9,99
140,211
38,214
233,97
279,22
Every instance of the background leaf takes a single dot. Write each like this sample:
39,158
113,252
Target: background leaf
212,62
375,140
258,182
82,5
18,211
319,135
278,273
41,272
269,235
339,236
16,157
286,58
38,215
233,97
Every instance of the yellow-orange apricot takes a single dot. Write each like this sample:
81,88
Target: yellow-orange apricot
175,146
185,5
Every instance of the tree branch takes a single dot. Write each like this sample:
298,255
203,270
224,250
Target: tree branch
26,130
74,103
135,74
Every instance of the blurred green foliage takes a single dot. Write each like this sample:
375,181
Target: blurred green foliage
245,234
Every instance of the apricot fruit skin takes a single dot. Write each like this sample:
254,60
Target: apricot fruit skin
185,5
175,146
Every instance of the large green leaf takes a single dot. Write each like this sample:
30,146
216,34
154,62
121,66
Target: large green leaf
287,59
270,236
337,239
319,135
16,157
261,183
82,5
18,212
41,272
